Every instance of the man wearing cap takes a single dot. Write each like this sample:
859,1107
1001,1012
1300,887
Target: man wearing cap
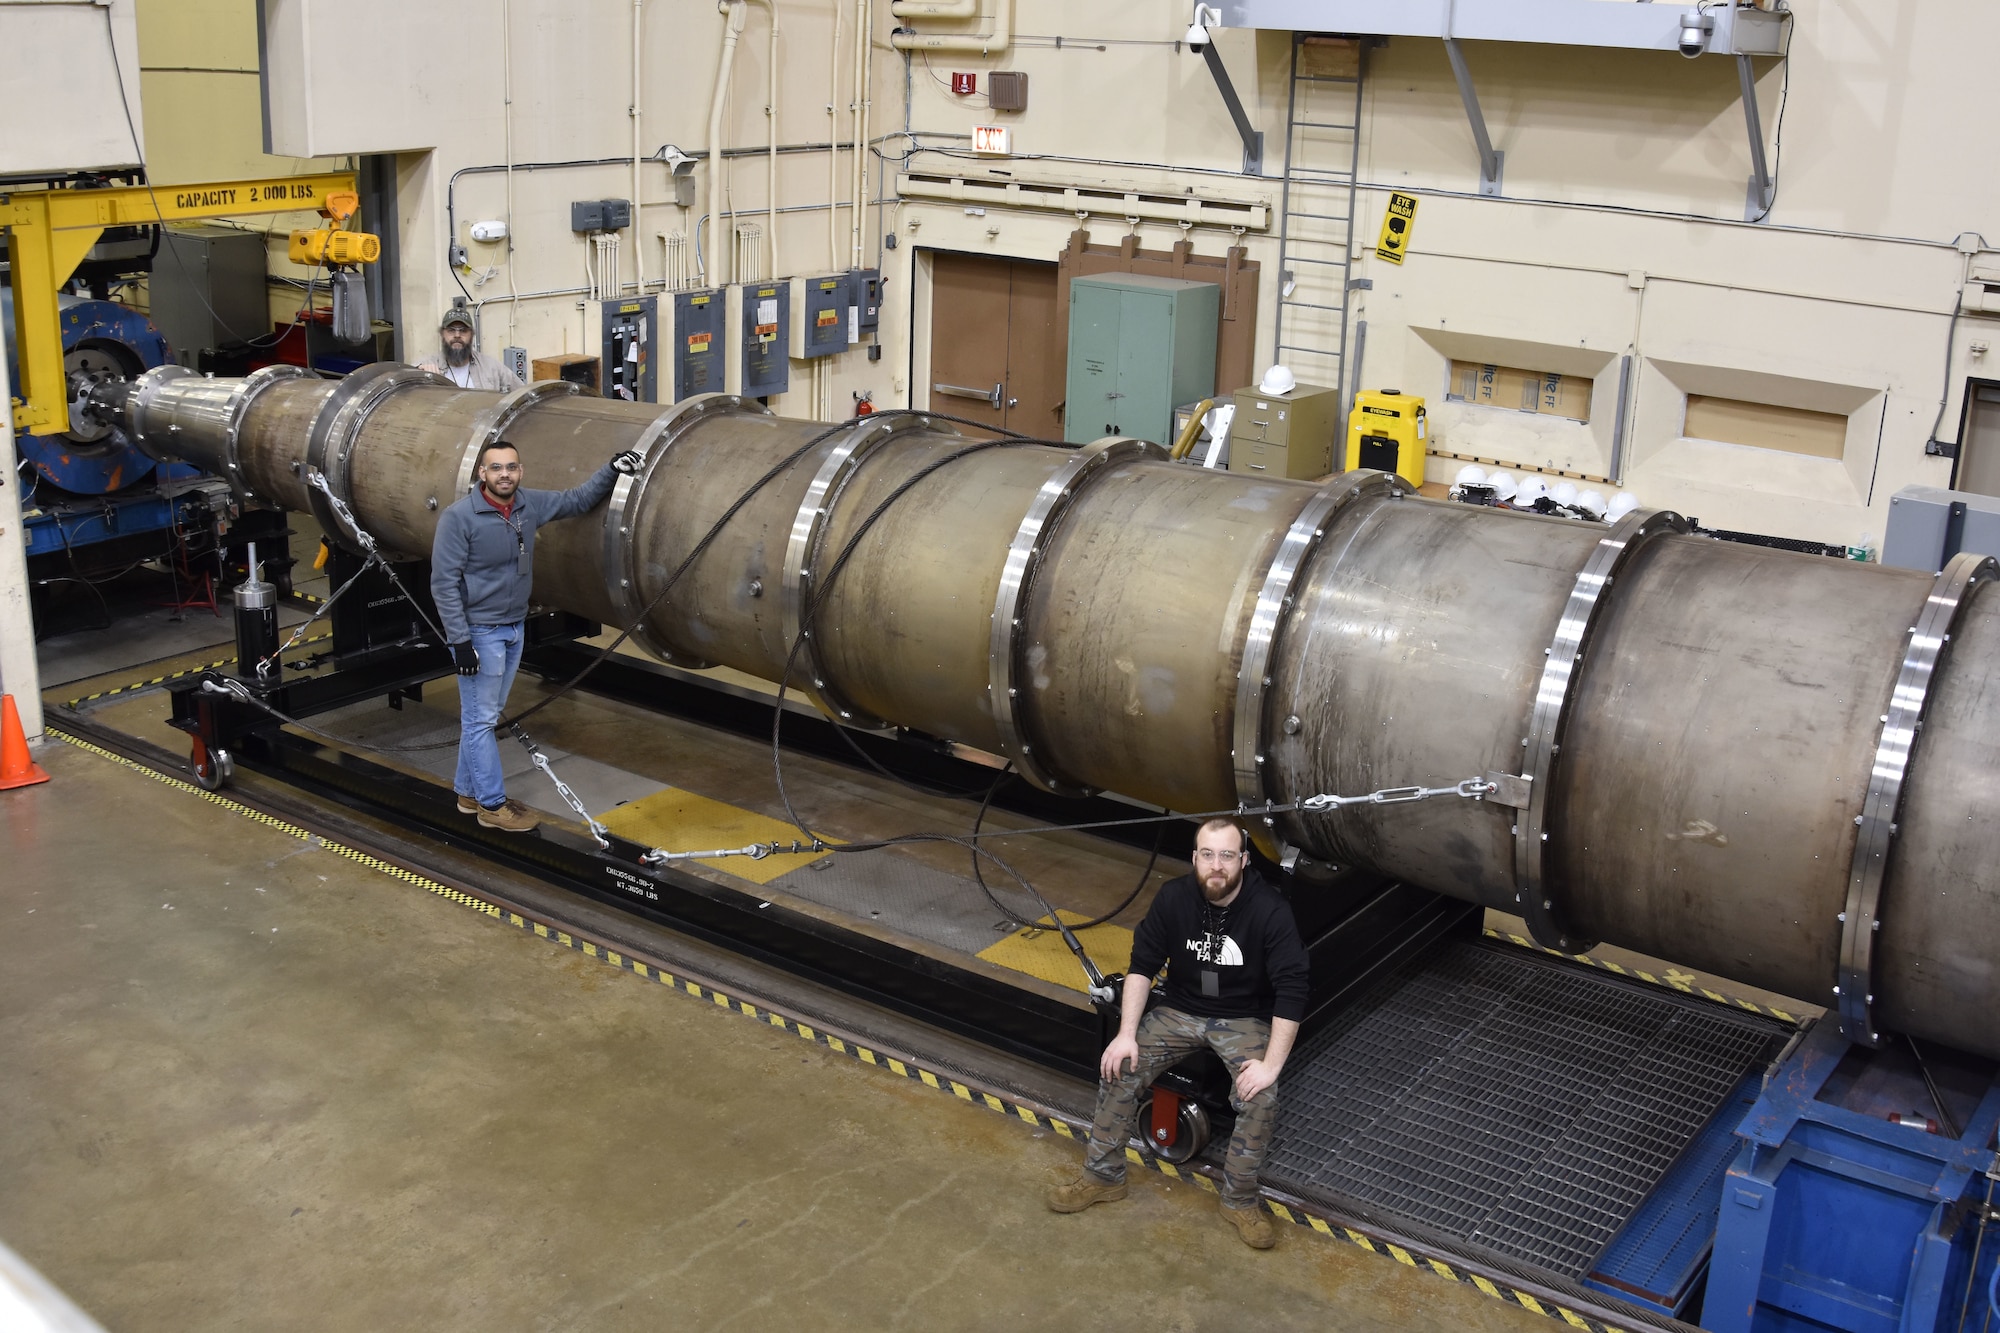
1237,983
458,360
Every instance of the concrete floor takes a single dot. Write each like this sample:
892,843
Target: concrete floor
252,1084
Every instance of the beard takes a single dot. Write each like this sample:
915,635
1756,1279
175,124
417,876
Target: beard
458,356
1217,885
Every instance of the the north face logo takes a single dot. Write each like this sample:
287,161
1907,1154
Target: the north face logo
1227,954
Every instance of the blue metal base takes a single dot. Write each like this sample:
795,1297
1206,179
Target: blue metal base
1836,1217
55,524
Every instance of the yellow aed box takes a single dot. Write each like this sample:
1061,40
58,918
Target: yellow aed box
1386,431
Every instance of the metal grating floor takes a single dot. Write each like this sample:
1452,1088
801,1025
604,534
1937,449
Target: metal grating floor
1662,1251
1504,1100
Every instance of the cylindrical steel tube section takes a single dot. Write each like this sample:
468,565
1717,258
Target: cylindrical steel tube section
1700,800
1136,622
1410,656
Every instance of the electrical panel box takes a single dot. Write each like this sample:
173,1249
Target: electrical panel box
516,361
864,294
1284,435
821,323
1137,346
695,339
757,339
1929,525
628,330
600,214
210,292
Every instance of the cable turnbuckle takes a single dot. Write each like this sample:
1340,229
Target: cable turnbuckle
1471,789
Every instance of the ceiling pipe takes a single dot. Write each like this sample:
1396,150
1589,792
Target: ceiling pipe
732,29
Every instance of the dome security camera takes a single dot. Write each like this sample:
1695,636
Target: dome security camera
1197,33
1695,29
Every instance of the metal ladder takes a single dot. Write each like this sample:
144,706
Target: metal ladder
1316,221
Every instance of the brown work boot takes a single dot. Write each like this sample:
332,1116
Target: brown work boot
509,816
1252,1225
1073,1196
467,806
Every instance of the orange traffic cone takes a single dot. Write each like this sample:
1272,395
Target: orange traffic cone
16,769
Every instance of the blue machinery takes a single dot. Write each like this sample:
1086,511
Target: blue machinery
1839,1195
104,487
1843,1210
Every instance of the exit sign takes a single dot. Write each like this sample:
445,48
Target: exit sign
992,139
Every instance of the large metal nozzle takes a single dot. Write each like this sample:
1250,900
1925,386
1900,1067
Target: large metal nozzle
1775,767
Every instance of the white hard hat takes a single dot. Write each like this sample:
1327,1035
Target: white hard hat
1277,380
1621,504
1563,492
1502,484
1592,502
1531,489
1471,475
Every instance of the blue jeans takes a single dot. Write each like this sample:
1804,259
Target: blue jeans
480,699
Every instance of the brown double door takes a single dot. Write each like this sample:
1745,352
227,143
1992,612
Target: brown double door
994,357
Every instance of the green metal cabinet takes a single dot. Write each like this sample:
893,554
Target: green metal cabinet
1137,347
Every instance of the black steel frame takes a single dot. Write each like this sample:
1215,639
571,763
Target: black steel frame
1358,926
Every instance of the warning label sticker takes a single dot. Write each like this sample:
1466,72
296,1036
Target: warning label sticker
1397,224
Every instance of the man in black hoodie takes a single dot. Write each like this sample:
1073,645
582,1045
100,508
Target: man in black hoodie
1236,983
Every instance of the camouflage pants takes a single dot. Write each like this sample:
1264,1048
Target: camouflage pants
1165,1036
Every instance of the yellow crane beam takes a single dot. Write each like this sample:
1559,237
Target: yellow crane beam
50,232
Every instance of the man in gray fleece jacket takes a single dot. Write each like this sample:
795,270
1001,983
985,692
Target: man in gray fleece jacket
482,567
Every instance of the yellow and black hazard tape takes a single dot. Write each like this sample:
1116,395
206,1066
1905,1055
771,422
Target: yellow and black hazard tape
1671,981
182,674
1074,1130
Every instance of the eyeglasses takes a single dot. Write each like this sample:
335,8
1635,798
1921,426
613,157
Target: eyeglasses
503,467
1208,857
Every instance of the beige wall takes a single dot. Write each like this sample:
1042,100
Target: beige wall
1620,233
204,119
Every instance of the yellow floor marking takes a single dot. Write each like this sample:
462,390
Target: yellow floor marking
682,821
1042,953
1528,1302
1442,1269
1402,1256
1486,1286
1358,1238
1064,1130
1571,1318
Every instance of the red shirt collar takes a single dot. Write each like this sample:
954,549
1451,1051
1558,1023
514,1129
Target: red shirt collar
504,510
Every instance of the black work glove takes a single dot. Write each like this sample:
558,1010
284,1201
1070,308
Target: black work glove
627,462
467,658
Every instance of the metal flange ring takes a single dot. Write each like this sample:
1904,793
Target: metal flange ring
253,388
1930,639
334,428
144,391
1260,642
492,423
621,556
1534,894
1024,556
802,552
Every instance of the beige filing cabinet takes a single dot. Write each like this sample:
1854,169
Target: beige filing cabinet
1285,435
